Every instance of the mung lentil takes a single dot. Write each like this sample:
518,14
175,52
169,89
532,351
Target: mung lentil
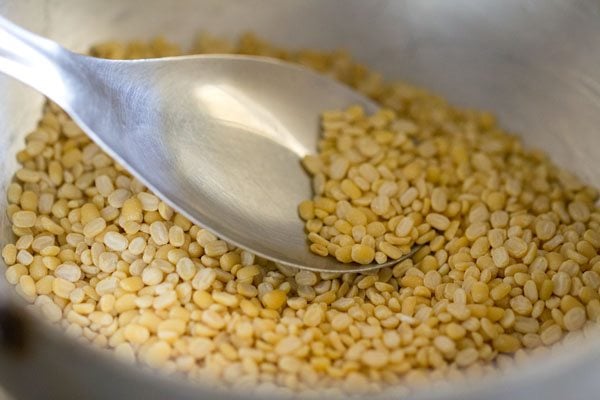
509,261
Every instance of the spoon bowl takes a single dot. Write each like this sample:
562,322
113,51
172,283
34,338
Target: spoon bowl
218,137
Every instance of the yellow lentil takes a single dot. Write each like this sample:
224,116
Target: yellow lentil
503,267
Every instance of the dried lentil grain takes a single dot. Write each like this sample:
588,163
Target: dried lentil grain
505,264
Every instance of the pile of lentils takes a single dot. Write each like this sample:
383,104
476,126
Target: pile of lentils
507,265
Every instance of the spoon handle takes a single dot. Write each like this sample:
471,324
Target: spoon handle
33,60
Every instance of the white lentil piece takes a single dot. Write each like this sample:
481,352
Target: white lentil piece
215,248
94,227
288,345
438,221
204,279
42,243
176,236
306,278
374,358
24,257
186,268
51,311
204,237
574,319
157,354
137,246
69,272
106,286
62,288
107,262
341,322
24,219
104,185
149,201
466,357
115,241
159,233
165,300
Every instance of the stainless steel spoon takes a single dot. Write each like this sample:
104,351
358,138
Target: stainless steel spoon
218,137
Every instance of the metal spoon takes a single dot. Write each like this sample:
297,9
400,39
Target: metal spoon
219,137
